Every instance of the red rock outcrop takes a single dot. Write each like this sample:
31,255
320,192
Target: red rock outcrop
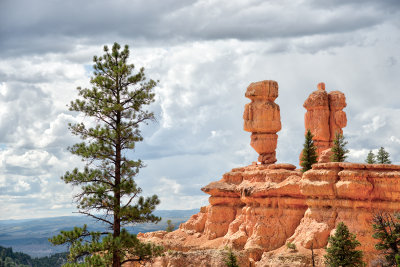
262,119
325,116
252,209
325,156
257,209
350,193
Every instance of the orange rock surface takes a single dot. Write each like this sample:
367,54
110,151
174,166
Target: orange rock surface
325,116
254,208
259,208
262,119
350,193
325,156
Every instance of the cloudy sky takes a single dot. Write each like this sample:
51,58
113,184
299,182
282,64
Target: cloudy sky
205,53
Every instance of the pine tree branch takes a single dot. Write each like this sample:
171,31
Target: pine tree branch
130,200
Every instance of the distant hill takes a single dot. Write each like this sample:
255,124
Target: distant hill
31,235
10,258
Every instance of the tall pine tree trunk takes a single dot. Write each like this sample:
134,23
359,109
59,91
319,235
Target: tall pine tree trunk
117,189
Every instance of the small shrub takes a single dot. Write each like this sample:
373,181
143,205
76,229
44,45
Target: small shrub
291,246
170,226
230,259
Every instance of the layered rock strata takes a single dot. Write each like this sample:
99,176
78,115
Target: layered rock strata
325,116
259,208
253,209
350,193
262,119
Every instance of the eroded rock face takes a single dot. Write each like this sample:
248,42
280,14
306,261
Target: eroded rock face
325,156
337,118
325,116
350,193
262,119
259,208
253,209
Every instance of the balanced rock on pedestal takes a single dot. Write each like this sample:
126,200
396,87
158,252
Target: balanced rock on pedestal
262,119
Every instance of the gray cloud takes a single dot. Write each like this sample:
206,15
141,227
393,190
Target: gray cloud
388,6
58,26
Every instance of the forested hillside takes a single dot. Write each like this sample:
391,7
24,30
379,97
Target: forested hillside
31,235
8,258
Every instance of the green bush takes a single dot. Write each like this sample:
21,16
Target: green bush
230,259
291,246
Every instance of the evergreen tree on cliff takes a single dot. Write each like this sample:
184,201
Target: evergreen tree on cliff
339,148
370,158
387,231
383,157
116,104
309,155
341,250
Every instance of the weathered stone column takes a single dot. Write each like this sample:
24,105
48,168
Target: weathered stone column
262,119
316,118
324,117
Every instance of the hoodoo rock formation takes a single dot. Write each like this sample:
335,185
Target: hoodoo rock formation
262,119
256,210
325,116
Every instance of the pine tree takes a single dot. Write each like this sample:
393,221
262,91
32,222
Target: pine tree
116,104
341,250
387,231
370,158
339,148
231,260
309,154
170,226
383,157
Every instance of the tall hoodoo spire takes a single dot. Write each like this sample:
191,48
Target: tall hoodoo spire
325,116
262,119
